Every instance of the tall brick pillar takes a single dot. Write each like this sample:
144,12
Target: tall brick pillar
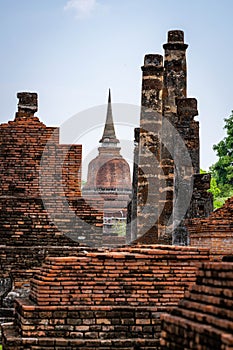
131,234
149,146
175,72
175,85
189,129
186,156
168,189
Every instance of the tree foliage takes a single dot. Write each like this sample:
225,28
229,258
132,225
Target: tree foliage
120,227
222,170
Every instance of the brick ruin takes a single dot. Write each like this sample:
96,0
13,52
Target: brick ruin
167,151
30,195
88,298
109,178
214,232
103,300
204,318
39,179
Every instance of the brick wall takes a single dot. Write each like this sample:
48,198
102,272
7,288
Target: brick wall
25,221
117,277
204,318
41,208
215,232
103,299
220,243
21,263
22,143
40,177
40,191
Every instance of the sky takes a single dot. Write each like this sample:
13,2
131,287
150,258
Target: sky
72,51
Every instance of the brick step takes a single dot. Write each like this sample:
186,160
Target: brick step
215,275
110,272
212,282
226,293
15,342
203,314
136,297
87,322
110,278
218,301
131,299
203,320
181,333
114,277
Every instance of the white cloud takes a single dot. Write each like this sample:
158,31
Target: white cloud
83,8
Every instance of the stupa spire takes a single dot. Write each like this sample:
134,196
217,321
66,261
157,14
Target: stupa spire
109,135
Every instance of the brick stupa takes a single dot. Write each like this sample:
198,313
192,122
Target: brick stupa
109,178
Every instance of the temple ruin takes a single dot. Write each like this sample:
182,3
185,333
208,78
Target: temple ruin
154,293
167,185
34,199
203,319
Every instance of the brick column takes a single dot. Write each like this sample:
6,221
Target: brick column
175,72
132,207
186,156
175,83
189,128
149,145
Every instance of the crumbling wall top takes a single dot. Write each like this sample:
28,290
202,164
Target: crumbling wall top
28,102
153,60
175,41
187,106
175,36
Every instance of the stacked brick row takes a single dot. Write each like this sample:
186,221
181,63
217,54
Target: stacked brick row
109,322
21,263
215,232
103,300
118,277
204,318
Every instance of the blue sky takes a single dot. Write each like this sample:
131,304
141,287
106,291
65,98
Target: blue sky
71,52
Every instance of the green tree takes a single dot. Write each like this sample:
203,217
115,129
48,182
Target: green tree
119,227
214,189
222,170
